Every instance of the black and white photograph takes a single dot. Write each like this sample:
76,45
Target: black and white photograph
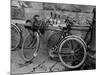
52,37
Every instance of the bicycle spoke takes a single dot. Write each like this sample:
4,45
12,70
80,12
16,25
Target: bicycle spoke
69,60
77,46
74,43
79,52
69,43
78,56
66,49
78,49
33,42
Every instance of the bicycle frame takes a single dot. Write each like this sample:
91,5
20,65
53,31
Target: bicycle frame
65,31
88,31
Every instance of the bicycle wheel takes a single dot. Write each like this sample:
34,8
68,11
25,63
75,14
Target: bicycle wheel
72,52
15,37
30,47
53,39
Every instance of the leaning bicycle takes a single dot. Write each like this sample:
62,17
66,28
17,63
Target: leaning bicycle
70,49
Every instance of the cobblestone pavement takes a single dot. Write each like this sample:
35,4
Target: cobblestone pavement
42,63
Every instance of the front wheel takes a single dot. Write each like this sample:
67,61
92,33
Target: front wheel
72,52
15,37
30,46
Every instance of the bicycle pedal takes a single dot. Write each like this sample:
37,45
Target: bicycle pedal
52,54
28,62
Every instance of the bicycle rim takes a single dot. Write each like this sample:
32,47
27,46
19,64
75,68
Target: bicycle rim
15,37
68,58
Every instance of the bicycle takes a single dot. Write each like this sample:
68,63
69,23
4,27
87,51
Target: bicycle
31,45
71,49
27,44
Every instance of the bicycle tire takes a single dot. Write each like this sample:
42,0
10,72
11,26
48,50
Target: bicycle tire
80,41
15,39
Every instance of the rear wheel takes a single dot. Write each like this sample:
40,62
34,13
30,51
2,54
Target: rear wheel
30,46
53,39
72,52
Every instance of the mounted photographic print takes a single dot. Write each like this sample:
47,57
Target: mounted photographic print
52,37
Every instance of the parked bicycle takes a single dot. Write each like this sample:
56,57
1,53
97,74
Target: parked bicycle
31,46
71,49
31,43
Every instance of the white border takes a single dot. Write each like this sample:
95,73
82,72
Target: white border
5,36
